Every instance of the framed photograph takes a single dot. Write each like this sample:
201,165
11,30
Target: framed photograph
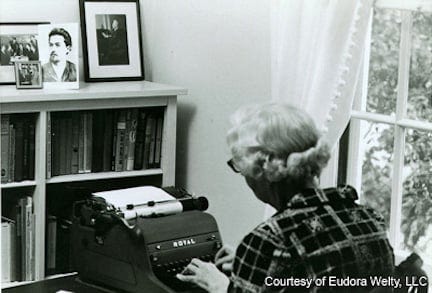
112,44
58,47
28,74
18,42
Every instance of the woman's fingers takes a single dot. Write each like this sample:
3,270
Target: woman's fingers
190,269
197,262
225,250
187,278
225,259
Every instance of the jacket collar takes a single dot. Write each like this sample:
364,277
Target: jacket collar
318,197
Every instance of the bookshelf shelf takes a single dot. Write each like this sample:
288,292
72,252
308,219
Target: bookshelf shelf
27,183
103,175
42,192
14,284
102,91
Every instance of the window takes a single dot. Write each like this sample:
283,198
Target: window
390,135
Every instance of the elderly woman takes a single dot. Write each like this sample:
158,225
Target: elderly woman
315,232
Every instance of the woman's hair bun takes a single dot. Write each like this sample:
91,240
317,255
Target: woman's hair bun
308,163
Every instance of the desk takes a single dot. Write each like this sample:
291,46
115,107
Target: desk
69,283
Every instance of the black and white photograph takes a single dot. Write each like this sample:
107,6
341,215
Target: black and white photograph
271,146
59,45
18,42
28,74
18,48
112,40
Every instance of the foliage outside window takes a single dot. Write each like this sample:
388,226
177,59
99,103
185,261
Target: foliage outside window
390,150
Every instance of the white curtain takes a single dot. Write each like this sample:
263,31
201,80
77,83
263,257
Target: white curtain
317,49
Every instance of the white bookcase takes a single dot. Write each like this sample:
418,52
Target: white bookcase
93,96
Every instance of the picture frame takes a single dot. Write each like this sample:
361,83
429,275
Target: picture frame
112,40
18,42
28,74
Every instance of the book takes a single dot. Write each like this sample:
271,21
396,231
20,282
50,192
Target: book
88,142
51,244
120,140
139,142
158,146
62,141
150,126
152,138
81,151
5,137
23,235
18,242
68,146
132,129
11,153
32,149
98,141
19,149
126,138
49,138
26,145
108,140
114,140
29,239
8,253
75,143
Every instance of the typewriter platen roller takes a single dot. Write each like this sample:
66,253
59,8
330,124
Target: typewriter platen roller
142,254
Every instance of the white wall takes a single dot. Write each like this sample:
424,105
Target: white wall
220,51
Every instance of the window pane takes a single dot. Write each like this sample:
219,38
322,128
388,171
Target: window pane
416,226
420,81
384,56
377,151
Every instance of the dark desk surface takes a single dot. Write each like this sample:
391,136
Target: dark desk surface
69,283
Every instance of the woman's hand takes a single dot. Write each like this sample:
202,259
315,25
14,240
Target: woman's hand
224,259
205,275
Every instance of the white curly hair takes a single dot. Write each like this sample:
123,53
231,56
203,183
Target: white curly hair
277,141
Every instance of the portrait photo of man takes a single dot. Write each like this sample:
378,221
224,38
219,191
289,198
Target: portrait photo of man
58,52
59,68
112,39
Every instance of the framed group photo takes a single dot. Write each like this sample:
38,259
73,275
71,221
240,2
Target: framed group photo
111,37
18,42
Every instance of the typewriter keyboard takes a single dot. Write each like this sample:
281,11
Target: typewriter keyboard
166,272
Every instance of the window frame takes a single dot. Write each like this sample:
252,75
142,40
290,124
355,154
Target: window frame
399,121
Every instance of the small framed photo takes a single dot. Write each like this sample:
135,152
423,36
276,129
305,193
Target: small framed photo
111,36
58,50
28,74
18,42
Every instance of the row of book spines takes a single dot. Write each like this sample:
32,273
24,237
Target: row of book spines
69,143
17,148
137,140
18,238
117,140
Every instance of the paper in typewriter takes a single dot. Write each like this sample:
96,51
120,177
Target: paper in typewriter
137,195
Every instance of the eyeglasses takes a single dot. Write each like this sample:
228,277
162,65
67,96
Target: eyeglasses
233,166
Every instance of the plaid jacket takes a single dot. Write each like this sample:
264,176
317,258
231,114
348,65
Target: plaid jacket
320,233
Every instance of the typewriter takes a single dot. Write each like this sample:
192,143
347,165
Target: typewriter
141,247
